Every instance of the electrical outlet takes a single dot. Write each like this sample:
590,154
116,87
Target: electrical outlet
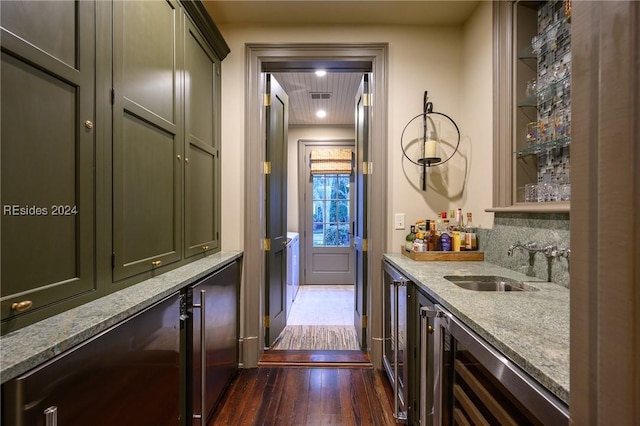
399,221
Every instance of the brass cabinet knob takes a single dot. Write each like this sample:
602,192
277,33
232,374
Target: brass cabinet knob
429,329
156,263
205,248
21,306
186,160
88,124
179,157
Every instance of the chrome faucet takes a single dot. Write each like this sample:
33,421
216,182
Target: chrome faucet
531,247
550,250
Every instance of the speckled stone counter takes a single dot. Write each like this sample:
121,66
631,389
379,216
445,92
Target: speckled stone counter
29,347
530,328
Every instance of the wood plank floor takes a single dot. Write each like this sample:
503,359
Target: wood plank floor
287,396
299,358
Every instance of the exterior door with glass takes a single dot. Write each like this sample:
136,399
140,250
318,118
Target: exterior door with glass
328,204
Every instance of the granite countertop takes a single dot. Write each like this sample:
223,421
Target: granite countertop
24,349
530,328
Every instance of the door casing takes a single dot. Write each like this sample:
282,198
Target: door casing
260,57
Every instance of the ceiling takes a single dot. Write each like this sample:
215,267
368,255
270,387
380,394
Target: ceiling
341,87
334,93
345,12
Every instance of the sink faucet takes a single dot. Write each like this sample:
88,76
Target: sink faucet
550,250
531,247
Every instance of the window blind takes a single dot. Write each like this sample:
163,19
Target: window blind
331,160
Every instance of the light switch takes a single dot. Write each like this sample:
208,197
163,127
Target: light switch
399,221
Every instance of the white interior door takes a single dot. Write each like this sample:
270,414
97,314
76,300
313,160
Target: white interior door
328,206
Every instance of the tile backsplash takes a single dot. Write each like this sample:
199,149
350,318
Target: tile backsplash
541,228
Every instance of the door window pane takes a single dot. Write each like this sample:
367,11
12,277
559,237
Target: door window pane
331,213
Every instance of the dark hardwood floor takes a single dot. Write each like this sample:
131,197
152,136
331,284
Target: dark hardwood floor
313,358
287,396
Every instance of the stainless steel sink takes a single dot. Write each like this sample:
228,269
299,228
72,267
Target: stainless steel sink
489,283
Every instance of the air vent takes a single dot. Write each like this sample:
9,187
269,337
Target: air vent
320,95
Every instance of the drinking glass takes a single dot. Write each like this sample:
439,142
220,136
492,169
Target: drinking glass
532,132
532,87
531,193
564,191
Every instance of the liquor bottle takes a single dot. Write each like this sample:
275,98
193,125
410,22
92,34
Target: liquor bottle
431,239
452,220
471,240
455,241
439,227
445,238
461,228
411,236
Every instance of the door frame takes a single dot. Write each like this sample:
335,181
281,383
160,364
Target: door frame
258,57
302,179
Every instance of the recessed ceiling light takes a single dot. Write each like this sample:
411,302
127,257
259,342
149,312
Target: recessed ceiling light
321,73
321,113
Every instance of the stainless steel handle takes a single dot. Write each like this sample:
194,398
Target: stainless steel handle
397,414
423,365
203,358
396,328
51,416
425,329
438,358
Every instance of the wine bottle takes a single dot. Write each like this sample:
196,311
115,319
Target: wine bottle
411,236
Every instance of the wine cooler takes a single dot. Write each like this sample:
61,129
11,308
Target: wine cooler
475,384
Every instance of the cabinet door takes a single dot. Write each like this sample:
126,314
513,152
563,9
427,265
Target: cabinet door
213,339
147,168
128,375
421,372
48,86
202,130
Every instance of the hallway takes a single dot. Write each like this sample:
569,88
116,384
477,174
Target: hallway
321,318
306,396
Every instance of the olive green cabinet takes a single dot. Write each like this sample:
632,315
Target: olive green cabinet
202,139
48,152
110,148
147,136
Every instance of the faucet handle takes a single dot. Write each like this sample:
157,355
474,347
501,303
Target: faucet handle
564,252
551,251
531,245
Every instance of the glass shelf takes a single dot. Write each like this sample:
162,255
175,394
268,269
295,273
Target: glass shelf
552,31
532,100
535,149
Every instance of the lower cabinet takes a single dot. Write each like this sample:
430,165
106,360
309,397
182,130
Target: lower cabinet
421,371
443,373
128,375
212,341
156,368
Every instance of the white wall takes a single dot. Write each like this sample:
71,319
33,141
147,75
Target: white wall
297,133
477,111
420,58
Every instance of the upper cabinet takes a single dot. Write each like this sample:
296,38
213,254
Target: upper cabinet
148,136
110,148
202,144
48,154
532,106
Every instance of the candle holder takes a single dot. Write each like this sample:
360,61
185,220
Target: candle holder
431,153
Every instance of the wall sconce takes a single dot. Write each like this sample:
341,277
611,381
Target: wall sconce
431,139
